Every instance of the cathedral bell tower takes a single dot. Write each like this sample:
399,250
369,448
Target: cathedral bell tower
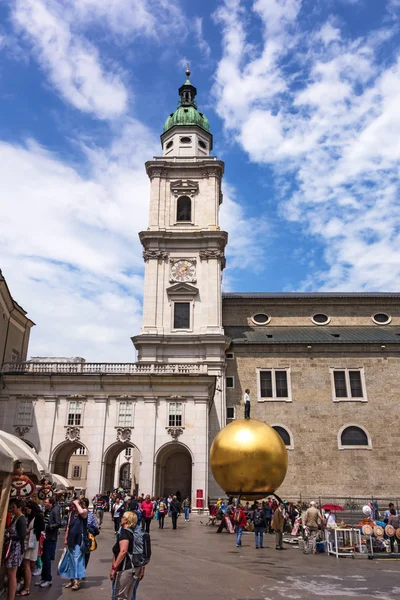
183,247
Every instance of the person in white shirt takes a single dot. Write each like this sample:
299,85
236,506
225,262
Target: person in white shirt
330,519
247,403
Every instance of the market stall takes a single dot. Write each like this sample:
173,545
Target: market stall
14,454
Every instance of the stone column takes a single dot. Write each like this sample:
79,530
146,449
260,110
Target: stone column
148,445
95,444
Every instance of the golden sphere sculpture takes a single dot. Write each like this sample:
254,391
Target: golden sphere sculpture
248,457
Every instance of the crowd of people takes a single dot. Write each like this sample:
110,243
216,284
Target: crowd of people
33,528
146,508
273,517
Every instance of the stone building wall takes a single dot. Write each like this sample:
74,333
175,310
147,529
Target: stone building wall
316,465
298,312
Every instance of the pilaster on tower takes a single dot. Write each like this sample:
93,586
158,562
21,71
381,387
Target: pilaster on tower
183,247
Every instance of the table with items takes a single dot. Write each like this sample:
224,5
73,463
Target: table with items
343,541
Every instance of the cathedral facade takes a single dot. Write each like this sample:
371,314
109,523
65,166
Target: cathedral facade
323,369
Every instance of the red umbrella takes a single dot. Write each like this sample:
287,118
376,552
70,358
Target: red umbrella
332,507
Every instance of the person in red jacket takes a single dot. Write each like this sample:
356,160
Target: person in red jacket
240,521
147,509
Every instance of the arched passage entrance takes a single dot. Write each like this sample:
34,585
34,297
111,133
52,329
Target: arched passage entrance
174,470
62,455
109,464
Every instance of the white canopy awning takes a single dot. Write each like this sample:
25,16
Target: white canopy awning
6,461
17,450
62,482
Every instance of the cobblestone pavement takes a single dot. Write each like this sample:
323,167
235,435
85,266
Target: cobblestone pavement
195,563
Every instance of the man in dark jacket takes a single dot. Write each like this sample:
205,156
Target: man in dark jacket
259,525
52,520
267,510
175,511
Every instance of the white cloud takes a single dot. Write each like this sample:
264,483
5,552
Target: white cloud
70,252
330,125
328,33
248,238
152,18
201,42
72,63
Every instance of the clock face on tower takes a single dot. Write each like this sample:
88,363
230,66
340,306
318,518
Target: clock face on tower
183,270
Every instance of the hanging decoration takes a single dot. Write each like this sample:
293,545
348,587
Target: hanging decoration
21,485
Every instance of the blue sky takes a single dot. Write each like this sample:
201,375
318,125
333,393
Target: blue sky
302,97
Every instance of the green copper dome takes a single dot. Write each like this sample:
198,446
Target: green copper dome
187,113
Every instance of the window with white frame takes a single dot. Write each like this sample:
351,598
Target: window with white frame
24,412
230,355
230,382
230,414
128,451
81,451
181,315
75,410
353,437
76,472
348,384
175,414
125,413
274,384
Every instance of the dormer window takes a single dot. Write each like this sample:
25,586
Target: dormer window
184,209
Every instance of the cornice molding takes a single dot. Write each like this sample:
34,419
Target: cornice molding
155,254
164,167
213,254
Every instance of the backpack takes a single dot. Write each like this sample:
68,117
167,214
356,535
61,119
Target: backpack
258,518
141,552
236,517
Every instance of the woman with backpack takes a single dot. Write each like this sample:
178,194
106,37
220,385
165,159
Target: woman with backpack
124,575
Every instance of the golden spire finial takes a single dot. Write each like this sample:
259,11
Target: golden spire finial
187,69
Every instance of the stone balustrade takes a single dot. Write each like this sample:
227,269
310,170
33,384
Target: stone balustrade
61,368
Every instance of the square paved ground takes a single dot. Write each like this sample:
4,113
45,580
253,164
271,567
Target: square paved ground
196,563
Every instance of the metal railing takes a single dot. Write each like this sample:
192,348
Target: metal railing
352,506
103,368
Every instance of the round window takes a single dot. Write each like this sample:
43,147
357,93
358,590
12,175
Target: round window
202,144
261,319
170,144
186,140
320,319
381,318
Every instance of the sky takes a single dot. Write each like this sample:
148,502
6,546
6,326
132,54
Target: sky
303,99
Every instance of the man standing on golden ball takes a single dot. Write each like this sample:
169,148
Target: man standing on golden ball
247,403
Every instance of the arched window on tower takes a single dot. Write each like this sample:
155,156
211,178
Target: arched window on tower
184,209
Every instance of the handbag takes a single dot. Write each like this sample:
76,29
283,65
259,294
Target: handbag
6,551
30,543
66,564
